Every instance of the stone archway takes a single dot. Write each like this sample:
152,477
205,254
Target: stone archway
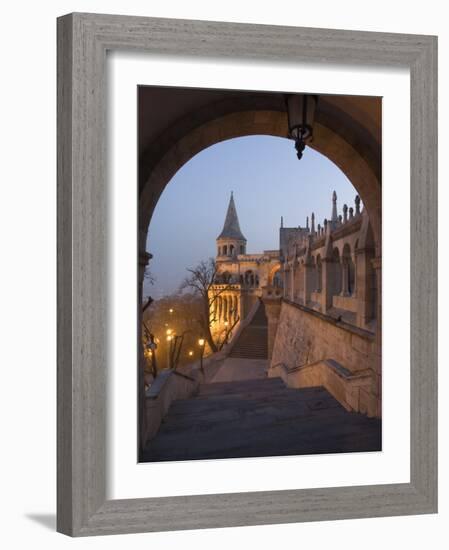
354,151
272,274
328,142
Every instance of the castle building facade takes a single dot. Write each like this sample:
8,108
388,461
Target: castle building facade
329,267
240,277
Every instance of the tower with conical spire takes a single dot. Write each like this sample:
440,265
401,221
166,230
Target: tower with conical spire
231,240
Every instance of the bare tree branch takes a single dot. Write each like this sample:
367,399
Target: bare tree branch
202,279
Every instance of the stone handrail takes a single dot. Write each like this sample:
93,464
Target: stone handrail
183,383
350,389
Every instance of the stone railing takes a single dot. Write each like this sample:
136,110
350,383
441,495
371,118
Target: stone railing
171,385
350,389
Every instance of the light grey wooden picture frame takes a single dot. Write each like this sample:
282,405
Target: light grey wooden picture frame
83,40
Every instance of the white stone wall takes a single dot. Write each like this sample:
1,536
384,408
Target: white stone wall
305,337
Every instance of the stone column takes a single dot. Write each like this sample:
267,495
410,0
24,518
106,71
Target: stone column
327,269
319,276
365,298
308,280
215,310
241,309
345,277
144,258
292,281
377,266
354,261
286,280
225,308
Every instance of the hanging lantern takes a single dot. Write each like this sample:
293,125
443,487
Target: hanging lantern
301,113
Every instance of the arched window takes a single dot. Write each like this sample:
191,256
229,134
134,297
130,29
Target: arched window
242,249
351,277
348,271
231,250
225,250
319,274
219,250
336,272
277,279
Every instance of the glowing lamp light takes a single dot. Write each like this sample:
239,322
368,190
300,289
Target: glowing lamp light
190,353
201,342
169,338
169,331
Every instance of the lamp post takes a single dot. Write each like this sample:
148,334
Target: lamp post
201,343
301,113
169,344
176,352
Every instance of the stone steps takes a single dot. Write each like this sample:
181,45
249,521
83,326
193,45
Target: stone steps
259,417
253,341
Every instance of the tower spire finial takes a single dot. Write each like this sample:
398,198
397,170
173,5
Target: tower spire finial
334,217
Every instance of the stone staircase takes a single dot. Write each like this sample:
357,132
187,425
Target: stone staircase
260,417
253,340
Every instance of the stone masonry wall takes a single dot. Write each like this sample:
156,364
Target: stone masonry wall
305,337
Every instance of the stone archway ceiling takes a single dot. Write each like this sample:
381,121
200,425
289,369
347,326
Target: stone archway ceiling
167,114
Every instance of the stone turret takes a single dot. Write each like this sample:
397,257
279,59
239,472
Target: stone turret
231,240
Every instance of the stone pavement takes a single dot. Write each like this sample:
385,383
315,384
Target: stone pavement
234,369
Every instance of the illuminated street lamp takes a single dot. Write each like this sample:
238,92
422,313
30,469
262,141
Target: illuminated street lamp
169,347
150,353
190,353
201,343
301,113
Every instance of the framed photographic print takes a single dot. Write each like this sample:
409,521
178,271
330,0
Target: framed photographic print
246,274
